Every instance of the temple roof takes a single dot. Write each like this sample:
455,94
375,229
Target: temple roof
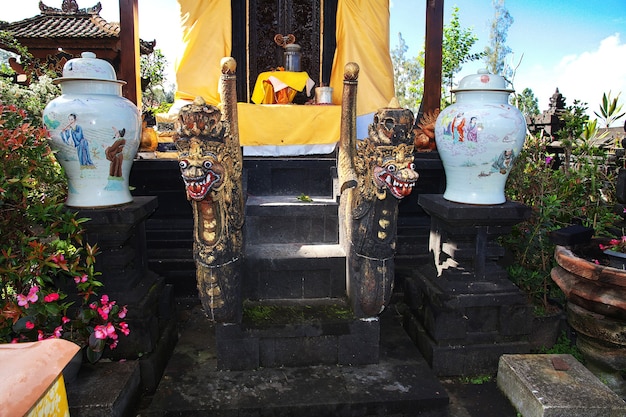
68,22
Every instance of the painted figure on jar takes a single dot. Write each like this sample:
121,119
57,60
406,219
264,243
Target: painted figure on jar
72,134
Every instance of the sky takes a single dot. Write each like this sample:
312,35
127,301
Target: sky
577,46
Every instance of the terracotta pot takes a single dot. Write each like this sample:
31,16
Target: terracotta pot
596,309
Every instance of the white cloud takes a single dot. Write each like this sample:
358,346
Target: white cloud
585,76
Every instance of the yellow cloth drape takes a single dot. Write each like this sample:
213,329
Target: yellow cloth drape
295,80
207,38
363,37
288,124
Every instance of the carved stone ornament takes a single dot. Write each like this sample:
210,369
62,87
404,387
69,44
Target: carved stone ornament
210,163
375,174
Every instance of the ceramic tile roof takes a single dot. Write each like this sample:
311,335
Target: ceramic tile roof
68,22
57,23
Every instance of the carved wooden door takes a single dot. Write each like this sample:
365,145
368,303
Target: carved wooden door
312,22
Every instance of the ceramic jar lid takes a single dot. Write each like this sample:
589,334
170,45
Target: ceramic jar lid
88,67
292,47
483,81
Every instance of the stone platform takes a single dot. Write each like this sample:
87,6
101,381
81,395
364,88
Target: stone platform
400,384
555,386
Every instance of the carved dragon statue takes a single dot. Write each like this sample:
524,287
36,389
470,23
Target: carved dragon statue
210,163
374,175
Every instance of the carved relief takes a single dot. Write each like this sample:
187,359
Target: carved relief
211,167
375,174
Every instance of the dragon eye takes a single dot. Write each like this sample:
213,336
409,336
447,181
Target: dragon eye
411,166
391,168
207,164
183,163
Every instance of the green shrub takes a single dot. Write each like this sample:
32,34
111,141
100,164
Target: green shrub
574,187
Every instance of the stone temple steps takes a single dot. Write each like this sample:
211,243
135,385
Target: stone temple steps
292,231
299,349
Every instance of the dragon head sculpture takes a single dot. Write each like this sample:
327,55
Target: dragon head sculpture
395,171
200,144
384,160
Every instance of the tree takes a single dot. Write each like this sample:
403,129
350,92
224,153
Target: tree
152,72
527,103
497,50
457,46
407,76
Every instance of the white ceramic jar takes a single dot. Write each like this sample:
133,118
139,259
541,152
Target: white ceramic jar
478,139
95,133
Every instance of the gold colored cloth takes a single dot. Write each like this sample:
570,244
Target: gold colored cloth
288,124
363,37
265,91
207,38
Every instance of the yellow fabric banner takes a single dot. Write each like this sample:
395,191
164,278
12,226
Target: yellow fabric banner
207,38
363,37
288,124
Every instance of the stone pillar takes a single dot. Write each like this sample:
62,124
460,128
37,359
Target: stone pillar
119,232
466,312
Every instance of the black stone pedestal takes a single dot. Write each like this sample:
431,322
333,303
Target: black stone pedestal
119,232
466,312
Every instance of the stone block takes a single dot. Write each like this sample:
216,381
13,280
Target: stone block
235,350
362,345
298,351
555,386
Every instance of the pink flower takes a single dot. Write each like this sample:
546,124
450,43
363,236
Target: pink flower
78,279
105,331
58,259
104,299
30,325
53,296
58,331
113,344
30,298
104,312
122,313
124,328
93,306
40,335
65,320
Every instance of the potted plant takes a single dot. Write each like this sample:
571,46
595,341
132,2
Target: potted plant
565,185
615,249
48,284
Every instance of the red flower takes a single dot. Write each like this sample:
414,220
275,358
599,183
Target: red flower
30,325
53,296
124,328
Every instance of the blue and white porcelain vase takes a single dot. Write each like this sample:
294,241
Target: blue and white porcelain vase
95,133
478,139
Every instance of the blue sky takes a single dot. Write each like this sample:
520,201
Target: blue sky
575,45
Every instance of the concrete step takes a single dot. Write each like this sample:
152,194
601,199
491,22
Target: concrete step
287,219
400,384
290,176
296,333
292,270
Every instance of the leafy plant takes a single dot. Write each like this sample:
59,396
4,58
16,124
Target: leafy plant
577,187
456,47
48,284
564,345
